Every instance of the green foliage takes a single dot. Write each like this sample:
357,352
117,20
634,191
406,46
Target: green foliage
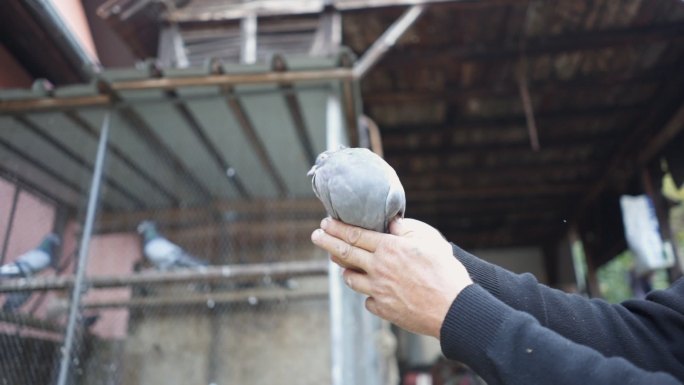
613,278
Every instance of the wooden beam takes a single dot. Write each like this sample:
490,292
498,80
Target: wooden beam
498,192
227,80
210,147
417,160
77,158
78,121
23,105
133,118
504,121
472,140
454,93
576,41
278,8
278,63
672,128
242,117
485,206
211,300
303,208
665,112
223,273
502,175
24,320
386,41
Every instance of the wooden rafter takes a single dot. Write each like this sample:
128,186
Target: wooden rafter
578,41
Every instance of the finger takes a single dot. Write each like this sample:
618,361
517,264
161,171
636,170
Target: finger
348,255
365,239
371,305
340,262
357,281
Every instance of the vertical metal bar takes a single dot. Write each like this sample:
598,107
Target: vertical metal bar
10,222
83,252
335,138
248,39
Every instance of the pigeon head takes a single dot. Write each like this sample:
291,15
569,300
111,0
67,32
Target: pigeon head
147,229
321,159
49,243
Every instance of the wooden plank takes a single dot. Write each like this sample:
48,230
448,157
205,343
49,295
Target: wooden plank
577,41
516,119
237,108
223,273
386,41
234,79
498,192
112,221
252,296
24,320
22,105
278,8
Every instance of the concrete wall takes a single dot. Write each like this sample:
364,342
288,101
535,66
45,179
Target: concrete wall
286,343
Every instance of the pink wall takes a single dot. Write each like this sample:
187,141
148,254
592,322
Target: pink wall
112,254
33,219
74,16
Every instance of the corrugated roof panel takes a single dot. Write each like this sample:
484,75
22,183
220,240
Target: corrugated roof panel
78,140
172,130
225,132
129,142
273,124
314,102
50,157
14,164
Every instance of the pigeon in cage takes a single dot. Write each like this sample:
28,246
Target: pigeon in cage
26,266
358,187
33,261
164,254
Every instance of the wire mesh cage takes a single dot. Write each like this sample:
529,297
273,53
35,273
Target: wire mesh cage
184,217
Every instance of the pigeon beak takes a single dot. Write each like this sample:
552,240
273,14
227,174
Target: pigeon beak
311,171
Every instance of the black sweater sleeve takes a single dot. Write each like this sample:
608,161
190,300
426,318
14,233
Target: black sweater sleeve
509,347
649,333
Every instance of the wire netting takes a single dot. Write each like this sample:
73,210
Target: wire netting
197,270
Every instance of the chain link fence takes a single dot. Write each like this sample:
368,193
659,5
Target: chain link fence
183,251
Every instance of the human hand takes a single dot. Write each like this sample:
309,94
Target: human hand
410,276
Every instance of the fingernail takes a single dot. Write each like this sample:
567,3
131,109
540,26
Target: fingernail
349,283
316,234
325,222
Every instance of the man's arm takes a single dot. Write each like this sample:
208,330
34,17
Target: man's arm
647,332
508,347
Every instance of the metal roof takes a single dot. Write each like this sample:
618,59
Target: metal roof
179,137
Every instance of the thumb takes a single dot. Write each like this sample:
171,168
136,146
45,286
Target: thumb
399,227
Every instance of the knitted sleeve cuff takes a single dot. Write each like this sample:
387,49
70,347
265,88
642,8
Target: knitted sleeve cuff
472,321
481,272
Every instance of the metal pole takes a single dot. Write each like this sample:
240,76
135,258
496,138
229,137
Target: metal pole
335,138
10,223
83,252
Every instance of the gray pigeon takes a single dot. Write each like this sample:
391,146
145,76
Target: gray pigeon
162,253
358,187
33,261
26,266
